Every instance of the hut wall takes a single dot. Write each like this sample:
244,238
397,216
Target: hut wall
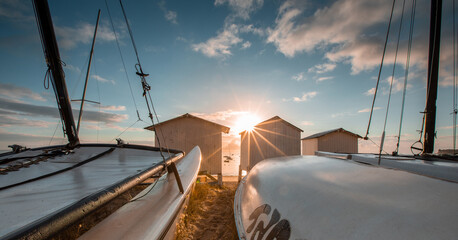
269,140
338,142
186,133
309,146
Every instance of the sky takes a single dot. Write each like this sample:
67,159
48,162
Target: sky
313,63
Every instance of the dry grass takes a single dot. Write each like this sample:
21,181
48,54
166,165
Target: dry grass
209,214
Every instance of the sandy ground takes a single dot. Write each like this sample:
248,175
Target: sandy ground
209,214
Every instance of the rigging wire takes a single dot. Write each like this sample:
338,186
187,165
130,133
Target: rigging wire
380,71
54,134
406,74
145,85
455,110
125,130
122,59
392,79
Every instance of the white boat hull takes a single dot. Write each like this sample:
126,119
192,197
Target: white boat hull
152,213
312,197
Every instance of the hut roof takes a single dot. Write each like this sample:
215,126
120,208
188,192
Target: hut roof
187,115
275,119
317,135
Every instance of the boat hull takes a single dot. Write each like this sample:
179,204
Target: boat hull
153,212
313,197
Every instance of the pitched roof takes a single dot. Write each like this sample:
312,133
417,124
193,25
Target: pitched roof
187,115
317,135
274,119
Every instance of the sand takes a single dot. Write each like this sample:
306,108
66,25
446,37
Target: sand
209,214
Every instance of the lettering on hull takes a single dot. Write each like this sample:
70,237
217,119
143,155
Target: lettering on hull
276,228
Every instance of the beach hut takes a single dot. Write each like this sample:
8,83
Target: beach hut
274,137
336,140
186,131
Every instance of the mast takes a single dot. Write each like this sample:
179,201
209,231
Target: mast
52,56
433,73
87,74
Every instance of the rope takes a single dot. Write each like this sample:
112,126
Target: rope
392,76
122,59
380,71
406,74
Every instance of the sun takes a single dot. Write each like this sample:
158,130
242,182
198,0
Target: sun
246,122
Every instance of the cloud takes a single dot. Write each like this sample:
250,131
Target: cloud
322,68
220,45
14,92
246,45
69,37
307,123
220,116
13,120
368,110
72,68
298,77
336,24
242,8
169,15
251,29
113,108
103,80
305,97
320,79
370,92
29,140
16,10
45,111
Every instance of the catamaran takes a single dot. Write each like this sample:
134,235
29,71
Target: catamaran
45,190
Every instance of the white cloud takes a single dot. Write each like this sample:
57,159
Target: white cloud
14,92
72,68
31,110
69,37
368,110
108,108
305,97
103,80
307,123
220,45
298,77
322,68
370,92
335,24
251,29
16,10
169,15
320,79
246,45
220,116
242,8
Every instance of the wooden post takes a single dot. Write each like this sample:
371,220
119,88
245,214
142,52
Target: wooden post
240,174
220,179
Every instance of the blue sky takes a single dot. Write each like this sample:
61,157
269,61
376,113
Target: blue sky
313,63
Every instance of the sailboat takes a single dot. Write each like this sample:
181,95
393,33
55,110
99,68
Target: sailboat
45,190
355,196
